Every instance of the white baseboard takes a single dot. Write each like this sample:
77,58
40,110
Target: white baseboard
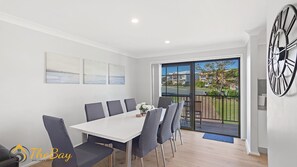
249,152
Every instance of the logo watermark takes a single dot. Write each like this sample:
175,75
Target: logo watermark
37,154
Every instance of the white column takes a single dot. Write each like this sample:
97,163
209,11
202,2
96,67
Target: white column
252,110
156,83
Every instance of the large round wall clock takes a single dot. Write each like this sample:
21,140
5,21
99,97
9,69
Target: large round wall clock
282,51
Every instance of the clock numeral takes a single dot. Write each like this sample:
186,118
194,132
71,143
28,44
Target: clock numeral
285,83
270,60
274,30
290,63
270,75
285,17
273,82
290,60
289,68
279,25
291,25
278,68
278,89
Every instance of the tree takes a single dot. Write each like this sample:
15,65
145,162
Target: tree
218,70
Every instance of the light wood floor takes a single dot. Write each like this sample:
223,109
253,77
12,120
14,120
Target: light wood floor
195,152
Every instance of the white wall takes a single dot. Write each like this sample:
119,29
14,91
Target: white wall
24,97
144,72
281,111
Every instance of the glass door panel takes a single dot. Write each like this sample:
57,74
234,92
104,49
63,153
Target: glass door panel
217,96
176,83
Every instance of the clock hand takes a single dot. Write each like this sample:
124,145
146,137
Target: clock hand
289,47
292,45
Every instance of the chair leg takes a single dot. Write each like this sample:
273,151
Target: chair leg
173,139
110,159
180,136
175,135
172,149
114,158
157,156
163,155
141,160
175,149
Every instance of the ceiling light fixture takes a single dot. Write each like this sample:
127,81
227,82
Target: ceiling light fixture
134,20
167,42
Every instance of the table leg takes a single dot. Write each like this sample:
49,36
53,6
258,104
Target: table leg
84,137
128,153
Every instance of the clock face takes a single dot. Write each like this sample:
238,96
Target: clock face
282,51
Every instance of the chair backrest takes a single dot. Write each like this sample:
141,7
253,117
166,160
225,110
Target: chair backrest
176,118
130,104
60,140
114,107
148,136
94,111
164,102
164,133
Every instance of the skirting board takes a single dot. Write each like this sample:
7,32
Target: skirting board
263,150
249,152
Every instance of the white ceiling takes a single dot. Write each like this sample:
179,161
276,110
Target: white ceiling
189,24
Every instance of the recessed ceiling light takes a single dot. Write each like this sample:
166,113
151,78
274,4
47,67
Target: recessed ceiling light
134,20
167,42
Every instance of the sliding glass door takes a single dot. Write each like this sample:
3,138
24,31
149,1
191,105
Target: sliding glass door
211,93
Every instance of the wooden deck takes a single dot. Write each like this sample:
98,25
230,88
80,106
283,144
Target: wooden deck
217,127
195,152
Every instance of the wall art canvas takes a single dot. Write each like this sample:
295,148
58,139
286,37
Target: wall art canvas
95,72
62,69
116,74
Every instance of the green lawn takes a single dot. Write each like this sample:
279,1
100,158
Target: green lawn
231,109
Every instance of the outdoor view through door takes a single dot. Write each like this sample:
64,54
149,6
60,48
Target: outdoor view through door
211,93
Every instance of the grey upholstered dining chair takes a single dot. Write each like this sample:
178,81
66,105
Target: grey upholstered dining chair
114,107
130,104
84,155
176,122
147,141
164,131
164,102
95,111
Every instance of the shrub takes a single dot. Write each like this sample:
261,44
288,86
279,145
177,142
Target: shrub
232,93
213,93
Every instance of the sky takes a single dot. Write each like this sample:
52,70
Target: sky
187,68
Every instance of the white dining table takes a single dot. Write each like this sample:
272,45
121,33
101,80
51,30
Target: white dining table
121,128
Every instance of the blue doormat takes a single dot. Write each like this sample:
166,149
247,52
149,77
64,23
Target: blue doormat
221,138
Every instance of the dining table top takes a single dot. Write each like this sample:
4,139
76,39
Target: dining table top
122,127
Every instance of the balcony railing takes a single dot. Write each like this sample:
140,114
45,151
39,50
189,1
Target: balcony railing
217,108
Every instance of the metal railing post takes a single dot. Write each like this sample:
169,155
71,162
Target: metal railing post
223,110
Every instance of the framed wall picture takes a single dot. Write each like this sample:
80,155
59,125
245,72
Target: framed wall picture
95,72
62,69
116,74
